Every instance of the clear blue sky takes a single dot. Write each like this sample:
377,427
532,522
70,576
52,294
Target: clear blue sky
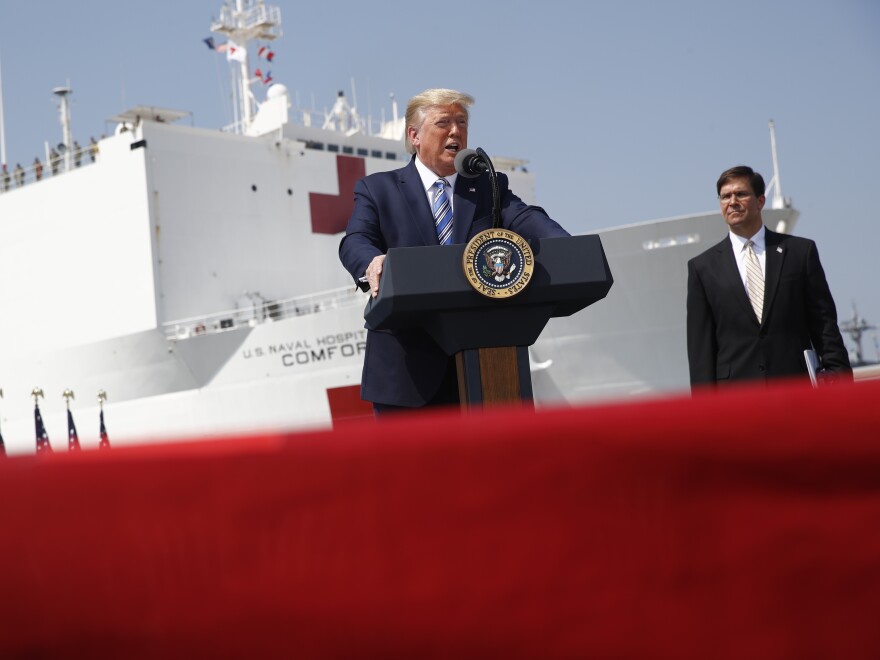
626,110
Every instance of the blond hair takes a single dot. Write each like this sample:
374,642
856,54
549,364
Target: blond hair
418,106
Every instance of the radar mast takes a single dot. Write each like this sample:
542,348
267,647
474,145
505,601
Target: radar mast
855,327
242,21
63,94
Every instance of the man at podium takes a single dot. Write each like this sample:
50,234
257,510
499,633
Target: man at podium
424,203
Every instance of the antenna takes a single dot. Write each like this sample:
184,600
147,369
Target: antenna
246,21
778,201
2,127
855,328
63,93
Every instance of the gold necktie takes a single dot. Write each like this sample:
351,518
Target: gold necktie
754,280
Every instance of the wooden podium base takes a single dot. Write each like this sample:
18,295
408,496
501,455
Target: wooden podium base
494,376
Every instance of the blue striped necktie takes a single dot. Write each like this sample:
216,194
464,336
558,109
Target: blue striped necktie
442,212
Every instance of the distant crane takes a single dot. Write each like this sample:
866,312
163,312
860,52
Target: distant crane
855,328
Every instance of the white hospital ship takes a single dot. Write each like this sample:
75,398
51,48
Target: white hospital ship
192,274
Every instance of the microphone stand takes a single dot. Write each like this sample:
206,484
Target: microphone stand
496,196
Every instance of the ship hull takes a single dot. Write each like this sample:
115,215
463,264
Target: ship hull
178,274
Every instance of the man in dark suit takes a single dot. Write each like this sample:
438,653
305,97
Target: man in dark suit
758,299
412,207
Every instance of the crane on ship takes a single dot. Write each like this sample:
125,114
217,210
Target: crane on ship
855,327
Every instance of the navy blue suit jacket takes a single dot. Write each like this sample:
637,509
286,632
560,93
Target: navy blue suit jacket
726,343
406,368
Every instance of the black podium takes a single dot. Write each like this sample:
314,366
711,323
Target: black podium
425,287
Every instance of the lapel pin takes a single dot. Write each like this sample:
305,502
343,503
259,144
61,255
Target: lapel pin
472,190
779,250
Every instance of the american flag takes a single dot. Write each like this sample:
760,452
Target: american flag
43,445
72,439
105,441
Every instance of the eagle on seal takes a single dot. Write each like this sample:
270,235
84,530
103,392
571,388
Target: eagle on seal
498,259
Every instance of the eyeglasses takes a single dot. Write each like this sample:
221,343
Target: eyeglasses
741,195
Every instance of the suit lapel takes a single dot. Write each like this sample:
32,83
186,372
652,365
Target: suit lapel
410,184
773,260
464,206
729,274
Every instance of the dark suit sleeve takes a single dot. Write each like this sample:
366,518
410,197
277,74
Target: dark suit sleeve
822,317
702,345
530,222
363,236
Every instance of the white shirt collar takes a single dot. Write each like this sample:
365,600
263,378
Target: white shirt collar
429,177
759,239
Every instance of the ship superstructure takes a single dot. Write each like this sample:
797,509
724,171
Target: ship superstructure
192,275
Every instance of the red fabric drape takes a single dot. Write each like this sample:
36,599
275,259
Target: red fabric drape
742,524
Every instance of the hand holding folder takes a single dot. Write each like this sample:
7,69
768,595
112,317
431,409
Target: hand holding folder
813,366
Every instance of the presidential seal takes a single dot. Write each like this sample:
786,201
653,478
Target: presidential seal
498,263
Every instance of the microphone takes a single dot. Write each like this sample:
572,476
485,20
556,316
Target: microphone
470,164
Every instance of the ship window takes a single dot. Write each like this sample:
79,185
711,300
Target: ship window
333,147
390,155
671,241
311,144
362,152
375,153
348,150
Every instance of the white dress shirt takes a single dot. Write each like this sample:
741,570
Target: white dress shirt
739,252
429,178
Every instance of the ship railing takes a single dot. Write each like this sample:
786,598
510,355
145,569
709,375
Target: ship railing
262,311
261,21
297,115
19,176
355,124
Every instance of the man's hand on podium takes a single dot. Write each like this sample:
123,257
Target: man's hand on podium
374,273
